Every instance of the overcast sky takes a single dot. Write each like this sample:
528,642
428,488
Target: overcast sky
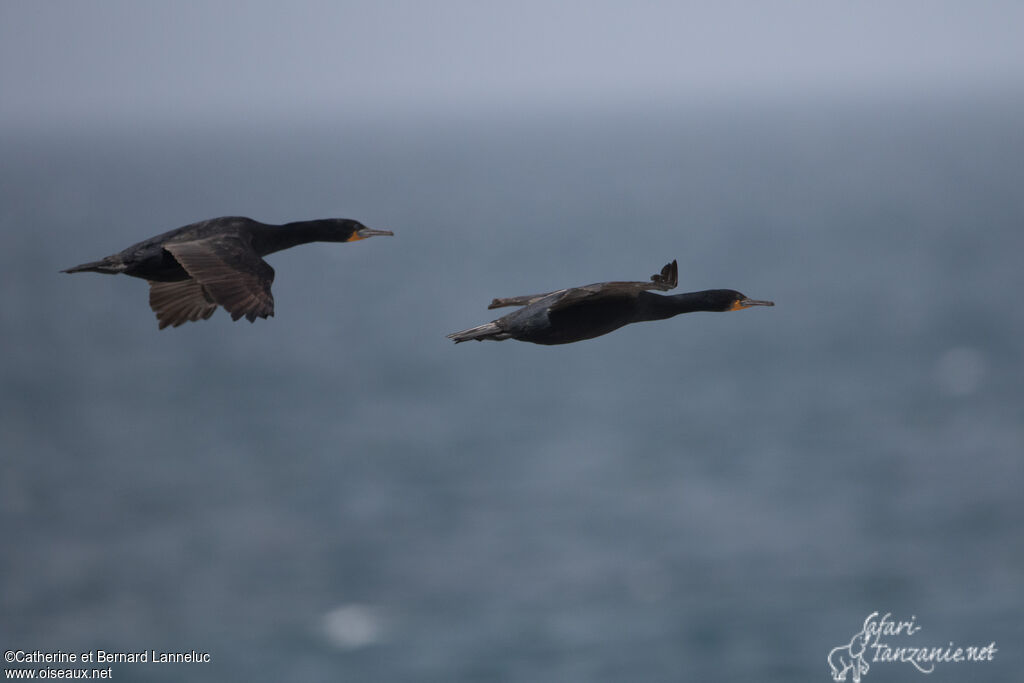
212,59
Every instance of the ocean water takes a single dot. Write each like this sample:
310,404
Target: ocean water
340,493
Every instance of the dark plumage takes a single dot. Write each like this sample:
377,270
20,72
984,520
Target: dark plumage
578,313
194,269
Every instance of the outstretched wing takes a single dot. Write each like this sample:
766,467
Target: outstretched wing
667,279
230,272
176,303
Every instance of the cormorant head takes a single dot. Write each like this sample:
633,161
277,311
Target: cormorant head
347,230
731,300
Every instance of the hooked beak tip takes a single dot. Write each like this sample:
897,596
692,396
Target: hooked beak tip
363,233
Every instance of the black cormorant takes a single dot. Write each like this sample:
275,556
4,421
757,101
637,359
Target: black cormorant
195,268
578,313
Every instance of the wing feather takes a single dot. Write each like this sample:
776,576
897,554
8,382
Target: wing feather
525,300
176,303
231,273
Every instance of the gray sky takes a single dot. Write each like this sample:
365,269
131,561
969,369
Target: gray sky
79,61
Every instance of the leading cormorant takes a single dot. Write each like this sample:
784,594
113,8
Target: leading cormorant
577,313
219,261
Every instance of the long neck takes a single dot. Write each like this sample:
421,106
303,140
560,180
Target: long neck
660,306
270,238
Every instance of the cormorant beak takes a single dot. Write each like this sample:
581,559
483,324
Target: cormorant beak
747,303
363,233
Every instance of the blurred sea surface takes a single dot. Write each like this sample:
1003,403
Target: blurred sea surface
339,493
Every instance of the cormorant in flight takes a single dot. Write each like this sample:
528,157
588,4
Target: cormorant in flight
218,262
577,313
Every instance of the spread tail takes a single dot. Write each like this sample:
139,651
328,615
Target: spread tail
479,333
101,266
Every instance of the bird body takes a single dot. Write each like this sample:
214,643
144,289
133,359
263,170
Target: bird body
578,313
195,268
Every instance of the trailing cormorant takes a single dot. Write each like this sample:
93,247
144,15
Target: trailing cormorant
578,313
